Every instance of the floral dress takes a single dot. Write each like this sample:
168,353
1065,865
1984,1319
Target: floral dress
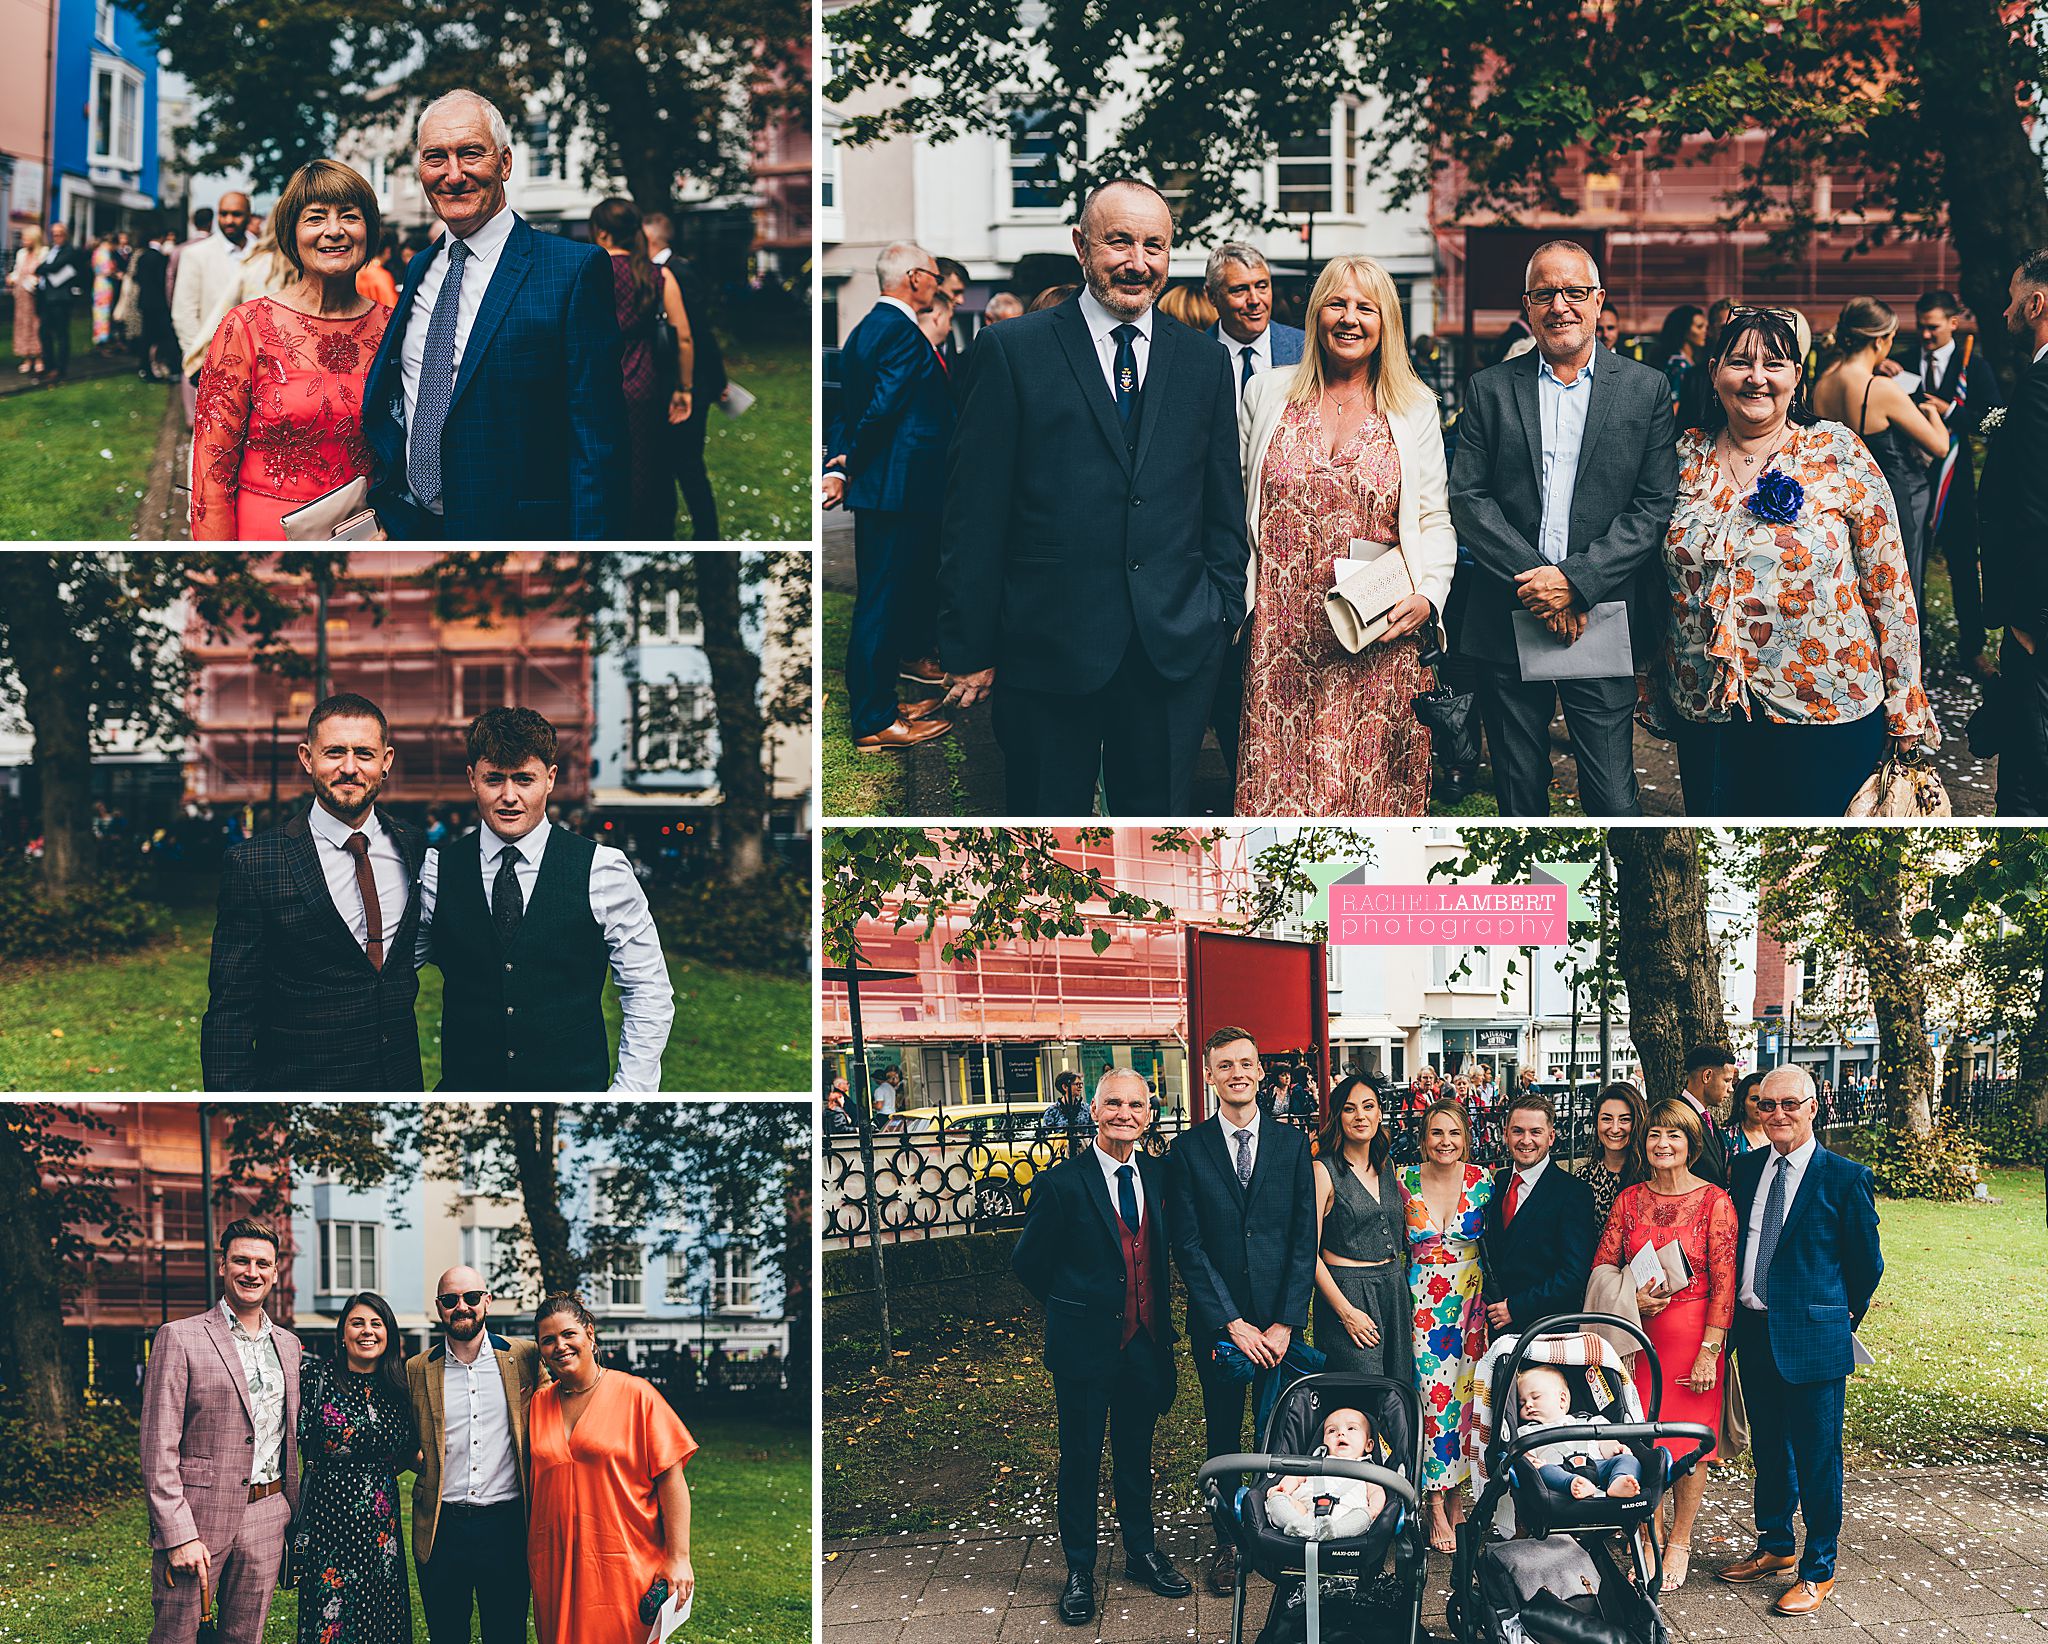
104,275
1444,1284
355,1434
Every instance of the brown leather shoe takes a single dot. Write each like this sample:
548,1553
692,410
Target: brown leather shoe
924,708
1223,1572
925,670
1757,1566
1804,1597
901,733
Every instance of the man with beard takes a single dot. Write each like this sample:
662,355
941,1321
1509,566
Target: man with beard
470,1393
312,982
1092,553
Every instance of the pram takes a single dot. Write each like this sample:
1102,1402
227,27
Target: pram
1508,1592
1327,1591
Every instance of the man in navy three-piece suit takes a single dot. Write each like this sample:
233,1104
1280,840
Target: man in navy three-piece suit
495,409
1807,1264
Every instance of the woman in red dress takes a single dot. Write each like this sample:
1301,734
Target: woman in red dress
1688,1327
279,415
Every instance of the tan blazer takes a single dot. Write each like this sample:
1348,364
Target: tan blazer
519,1364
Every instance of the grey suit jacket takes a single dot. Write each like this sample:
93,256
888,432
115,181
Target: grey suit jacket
1621,505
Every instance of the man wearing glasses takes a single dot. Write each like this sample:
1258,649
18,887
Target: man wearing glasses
470,1392
1562,488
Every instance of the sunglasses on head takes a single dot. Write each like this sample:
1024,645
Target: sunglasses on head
468,1298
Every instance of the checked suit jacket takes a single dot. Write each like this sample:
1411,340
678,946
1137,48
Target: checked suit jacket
518,1360
293,1001
1827,1263
534,447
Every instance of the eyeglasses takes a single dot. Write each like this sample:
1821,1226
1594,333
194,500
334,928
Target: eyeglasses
1544,295
468,1298
1771,1104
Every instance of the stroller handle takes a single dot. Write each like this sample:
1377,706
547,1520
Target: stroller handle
1701,1435
1365,1472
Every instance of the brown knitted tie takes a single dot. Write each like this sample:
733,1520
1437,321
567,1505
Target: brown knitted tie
373,910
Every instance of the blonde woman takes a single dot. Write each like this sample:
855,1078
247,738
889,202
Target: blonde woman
21,279
1343,448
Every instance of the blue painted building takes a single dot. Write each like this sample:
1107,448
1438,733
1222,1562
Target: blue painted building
103,140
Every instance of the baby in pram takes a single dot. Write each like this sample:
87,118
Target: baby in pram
1580,1468
1329,1509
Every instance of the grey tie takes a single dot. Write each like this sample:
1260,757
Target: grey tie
437,383
1244,1158
507,906
1767,1235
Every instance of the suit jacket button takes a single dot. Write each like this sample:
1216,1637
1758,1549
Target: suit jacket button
508,1010
510,1054
1137,502
1134,565
508,965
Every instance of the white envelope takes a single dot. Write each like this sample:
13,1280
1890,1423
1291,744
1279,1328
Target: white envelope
673,1614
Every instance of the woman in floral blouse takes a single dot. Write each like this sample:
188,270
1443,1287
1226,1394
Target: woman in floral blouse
1794,647
279,416
356,1434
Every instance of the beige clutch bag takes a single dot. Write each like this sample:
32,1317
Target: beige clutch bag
1368,587
342,512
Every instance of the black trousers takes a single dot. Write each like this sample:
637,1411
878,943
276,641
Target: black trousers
686,459
1957,541
1226,712
1128,1407
54,321
1140,734
1224,1401
479,1562
2023,766
1599,714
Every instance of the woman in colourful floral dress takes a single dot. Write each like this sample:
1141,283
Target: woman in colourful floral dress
1445,1197
356,1433
1793,656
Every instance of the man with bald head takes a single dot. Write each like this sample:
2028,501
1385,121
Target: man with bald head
204,273
1807,1263
1092,555
470,1393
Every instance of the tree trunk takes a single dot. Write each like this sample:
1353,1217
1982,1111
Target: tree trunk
1898,992
531,1128
1666,951
736,693
623,108
56,678
31,1285
1971,69
2034,1052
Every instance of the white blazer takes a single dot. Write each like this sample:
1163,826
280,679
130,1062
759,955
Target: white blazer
1426,536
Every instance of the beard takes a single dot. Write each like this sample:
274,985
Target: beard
353,803
467,1332
1126,302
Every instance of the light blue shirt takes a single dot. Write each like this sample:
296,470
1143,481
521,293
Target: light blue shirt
1563,409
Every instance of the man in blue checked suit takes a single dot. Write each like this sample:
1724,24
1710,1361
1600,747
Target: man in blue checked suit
1807,1263
495,408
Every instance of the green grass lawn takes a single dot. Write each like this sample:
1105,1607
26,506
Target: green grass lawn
81,335
759,463
83,1580
78,459
963,1432
131,1022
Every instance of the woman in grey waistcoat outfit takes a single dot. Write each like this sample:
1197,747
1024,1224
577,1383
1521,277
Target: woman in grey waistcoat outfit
1361,1301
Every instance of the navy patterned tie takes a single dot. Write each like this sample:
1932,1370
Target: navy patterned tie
1247,352
1244,1158
1774,1222
437,383
1125,372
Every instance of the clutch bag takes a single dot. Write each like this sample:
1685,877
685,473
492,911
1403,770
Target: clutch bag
342,512
1368,587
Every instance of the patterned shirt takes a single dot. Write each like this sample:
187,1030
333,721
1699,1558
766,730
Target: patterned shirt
264,1373
1811,622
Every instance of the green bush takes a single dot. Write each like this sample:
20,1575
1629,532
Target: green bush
99,1458
2009,1134
765,927
1944,1165
107,914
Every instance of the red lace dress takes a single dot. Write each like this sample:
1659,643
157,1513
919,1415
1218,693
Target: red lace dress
279,416
1704,1224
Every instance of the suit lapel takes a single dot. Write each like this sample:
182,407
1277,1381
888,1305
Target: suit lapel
1165,350
1097,1191
1072,331
437,1398
302,856
1605,369
1529,412
515,1412
1809,1188
230,1356
1219,1153
514,259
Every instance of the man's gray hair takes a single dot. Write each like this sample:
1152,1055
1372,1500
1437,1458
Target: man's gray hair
501,133
1144,1083
1560,245
897,260
1791,1073
1241,252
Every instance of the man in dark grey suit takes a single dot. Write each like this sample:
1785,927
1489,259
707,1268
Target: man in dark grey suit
1242,1207
1092,554
1562,488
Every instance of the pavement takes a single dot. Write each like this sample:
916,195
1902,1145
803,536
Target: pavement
1928,1556
976,789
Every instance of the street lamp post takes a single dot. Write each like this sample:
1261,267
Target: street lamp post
849,974
206,1197
163,1255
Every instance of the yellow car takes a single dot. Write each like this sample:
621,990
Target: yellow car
1001,1145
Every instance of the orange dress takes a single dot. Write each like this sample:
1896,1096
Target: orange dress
594,1542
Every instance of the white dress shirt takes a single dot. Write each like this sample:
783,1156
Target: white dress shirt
1528,1176
331,835
1262,358
619,906
1101,328
478,1466
484,245
2043,349
1230,1134
1110,1166
902,308
263,1372
1800,1158
1562,407
1934,364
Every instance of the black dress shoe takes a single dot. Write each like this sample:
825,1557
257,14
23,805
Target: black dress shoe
1156,1570
1077,1600
1223,1572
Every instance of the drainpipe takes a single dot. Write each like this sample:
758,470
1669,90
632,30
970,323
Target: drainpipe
50,113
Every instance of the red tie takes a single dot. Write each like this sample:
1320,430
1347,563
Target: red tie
1514,1199
939,355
